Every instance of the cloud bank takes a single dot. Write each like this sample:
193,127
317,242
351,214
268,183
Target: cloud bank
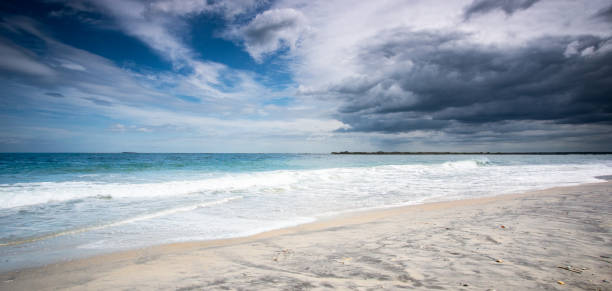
438,75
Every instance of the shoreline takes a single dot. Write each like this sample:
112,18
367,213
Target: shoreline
320,220
314,219
353,219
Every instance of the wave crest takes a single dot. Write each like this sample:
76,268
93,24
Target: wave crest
468,164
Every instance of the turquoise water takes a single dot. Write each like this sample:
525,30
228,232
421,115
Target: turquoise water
63,206
31,167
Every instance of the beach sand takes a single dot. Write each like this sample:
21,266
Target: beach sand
508,242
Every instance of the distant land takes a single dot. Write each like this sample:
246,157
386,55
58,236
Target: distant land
470,153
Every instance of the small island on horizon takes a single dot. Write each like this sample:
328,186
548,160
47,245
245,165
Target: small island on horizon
469,153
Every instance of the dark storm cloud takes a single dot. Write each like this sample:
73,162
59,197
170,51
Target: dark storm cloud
605,14
391,123
506,136
485,6
432,80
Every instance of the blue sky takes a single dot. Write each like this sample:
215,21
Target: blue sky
304,76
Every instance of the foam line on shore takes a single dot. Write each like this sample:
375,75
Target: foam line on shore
122,222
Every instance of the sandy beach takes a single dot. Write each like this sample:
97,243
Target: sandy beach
555,239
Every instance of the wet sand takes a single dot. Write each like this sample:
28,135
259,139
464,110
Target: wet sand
535,240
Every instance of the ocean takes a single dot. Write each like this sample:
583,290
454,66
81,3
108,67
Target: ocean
56,207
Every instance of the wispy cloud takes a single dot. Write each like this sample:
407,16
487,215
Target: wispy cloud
19,61
133,102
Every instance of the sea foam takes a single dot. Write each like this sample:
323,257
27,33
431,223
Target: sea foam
57,209
449,177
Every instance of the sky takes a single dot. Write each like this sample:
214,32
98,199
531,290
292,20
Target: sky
305,76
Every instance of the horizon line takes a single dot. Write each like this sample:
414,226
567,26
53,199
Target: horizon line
350,153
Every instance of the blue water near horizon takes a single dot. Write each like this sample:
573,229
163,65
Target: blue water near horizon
62,206
30,167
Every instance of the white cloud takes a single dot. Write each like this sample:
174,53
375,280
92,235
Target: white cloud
161,26
572,49
144,129
118,127
135,18
270,31
73,66
228,8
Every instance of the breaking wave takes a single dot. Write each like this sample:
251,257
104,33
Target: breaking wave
419,179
